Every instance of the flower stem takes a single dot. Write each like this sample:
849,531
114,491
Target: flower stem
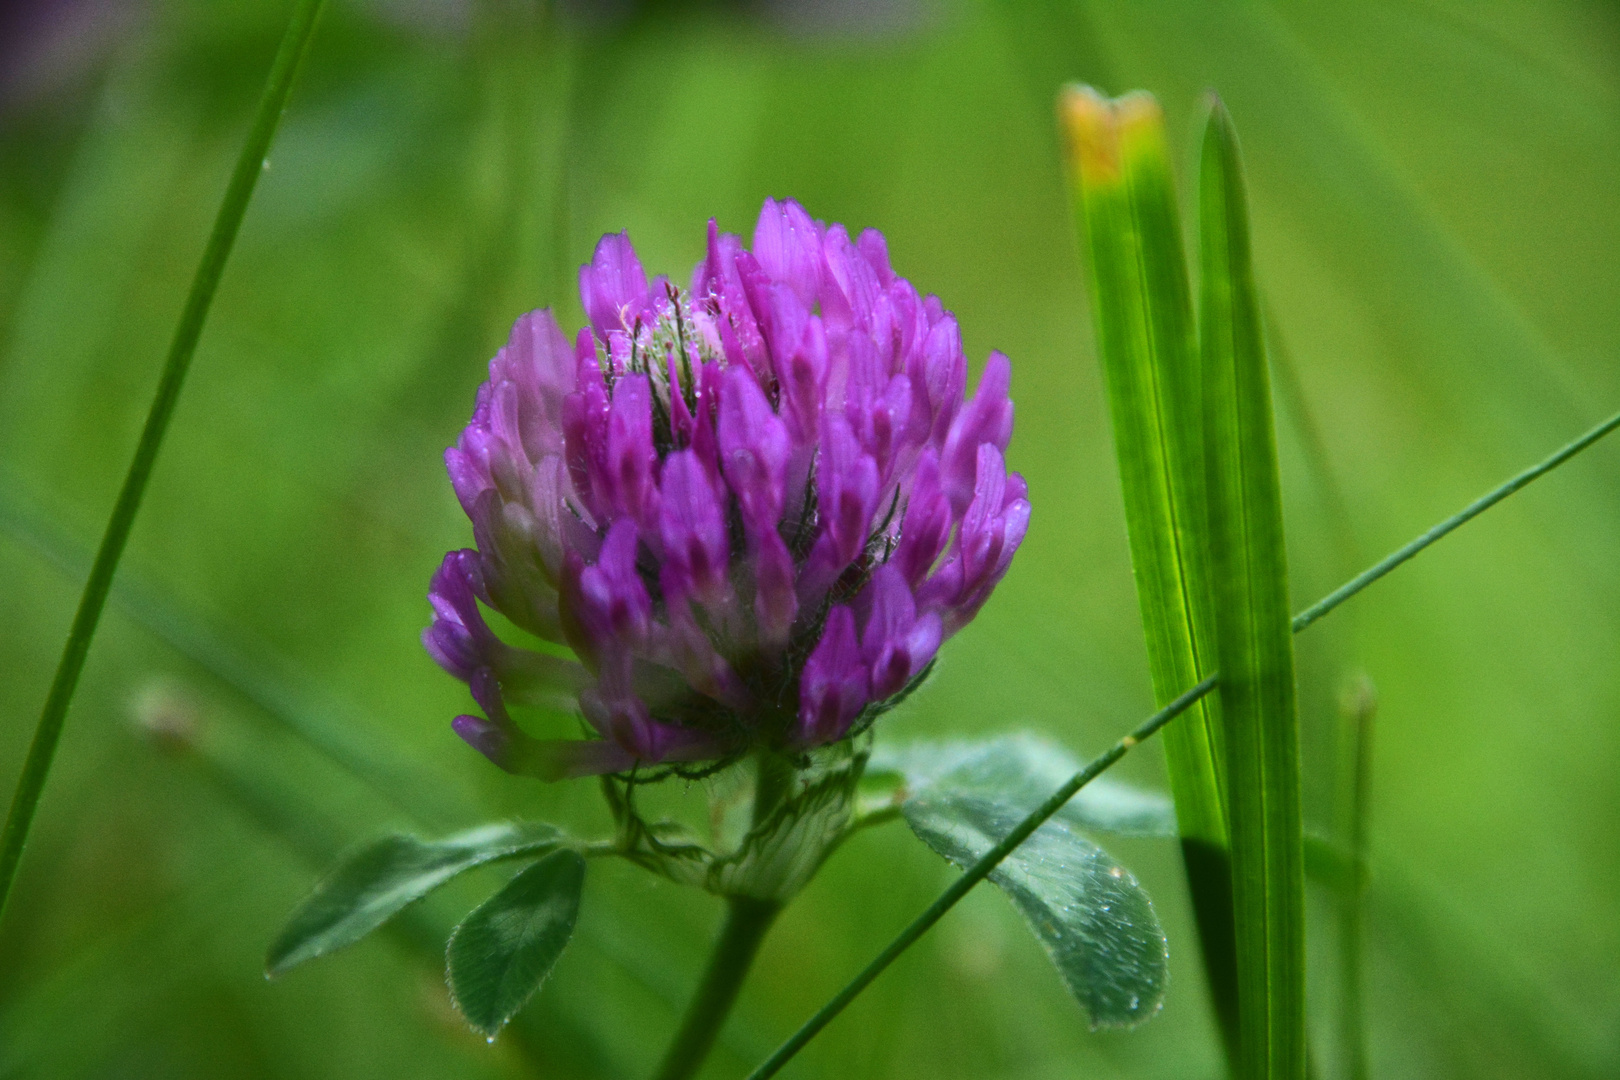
248,167
747,920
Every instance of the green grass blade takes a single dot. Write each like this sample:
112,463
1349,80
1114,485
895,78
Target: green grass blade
249,165
1126,205
1253,630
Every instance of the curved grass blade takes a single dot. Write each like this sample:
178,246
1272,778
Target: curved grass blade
249,165
1253,632
505,949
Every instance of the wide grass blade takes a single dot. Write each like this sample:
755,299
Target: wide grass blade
1143,316
1125,202
249,166
1253,632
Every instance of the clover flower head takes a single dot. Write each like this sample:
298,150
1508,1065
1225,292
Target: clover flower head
752,507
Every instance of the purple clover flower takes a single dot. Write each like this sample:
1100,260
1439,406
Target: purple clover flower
753,508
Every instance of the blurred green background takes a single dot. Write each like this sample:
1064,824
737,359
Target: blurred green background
1437,218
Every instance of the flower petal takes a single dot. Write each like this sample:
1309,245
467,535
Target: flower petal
613,287
788,247
833,688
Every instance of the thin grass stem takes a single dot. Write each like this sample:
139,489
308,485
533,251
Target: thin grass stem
249,165
1462,517
993,858
1359,707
